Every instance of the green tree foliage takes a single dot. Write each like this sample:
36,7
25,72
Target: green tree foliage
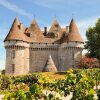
93,41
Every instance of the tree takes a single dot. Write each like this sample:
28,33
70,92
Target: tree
88,63
93,41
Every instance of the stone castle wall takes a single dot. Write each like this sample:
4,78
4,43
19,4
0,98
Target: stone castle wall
17,57
32,57
39,54
15,65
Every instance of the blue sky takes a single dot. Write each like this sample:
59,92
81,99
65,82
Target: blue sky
85,13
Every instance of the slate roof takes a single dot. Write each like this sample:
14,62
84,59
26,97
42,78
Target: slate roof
34,34
16,32
74,34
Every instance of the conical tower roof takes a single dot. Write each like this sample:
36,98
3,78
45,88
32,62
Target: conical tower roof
74,34
33,27
35,31
15,32
53,26
50,66
55,23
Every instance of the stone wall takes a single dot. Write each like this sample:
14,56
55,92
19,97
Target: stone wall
8,61
69,55
32,57
14,60
17,57
26,60
39,55
19,61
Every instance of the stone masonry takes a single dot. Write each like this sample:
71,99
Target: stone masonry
28,49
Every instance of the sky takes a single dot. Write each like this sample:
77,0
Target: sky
85,13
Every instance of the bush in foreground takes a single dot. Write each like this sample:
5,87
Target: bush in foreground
78,82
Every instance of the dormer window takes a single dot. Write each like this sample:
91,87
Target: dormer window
56,25
28,34
56,28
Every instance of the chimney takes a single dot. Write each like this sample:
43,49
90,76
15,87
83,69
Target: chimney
45,30
67,28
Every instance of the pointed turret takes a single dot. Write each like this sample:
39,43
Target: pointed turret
54,26
16,32
55,29
74,35
35,25
34,28
50,66
34,31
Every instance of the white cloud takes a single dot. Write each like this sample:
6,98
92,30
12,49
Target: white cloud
49,3
58,3
15,8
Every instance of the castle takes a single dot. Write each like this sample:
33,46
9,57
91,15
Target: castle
34,50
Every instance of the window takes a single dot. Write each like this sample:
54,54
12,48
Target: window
13,54
56,25
28,34
13,68
56,28
73,55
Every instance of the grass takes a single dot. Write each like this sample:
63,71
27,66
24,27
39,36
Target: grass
51,75
54,75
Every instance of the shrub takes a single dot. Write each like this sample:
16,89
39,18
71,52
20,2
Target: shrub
88,63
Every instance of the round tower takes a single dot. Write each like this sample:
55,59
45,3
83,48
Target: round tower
17,51
73,44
